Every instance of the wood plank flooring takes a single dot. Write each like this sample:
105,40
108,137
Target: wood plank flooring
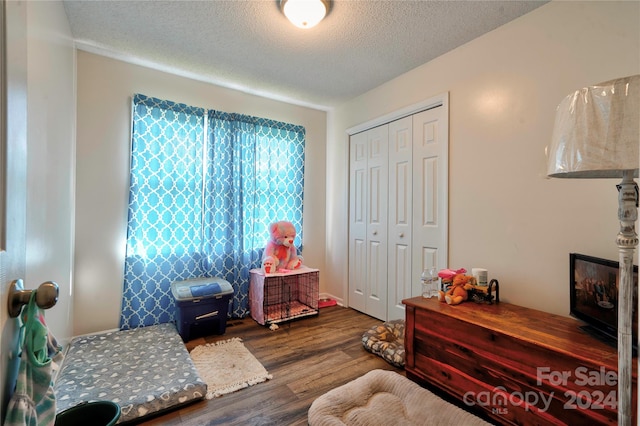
307,358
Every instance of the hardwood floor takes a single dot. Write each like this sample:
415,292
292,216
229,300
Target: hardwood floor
307,358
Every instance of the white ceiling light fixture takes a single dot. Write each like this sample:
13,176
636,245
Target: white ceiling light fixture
305,13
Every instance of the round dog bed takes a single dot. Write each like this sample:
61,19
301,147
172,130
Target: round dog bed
387,341
381,398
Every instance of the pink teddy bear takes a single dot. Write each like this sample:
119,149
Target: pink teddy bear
280,253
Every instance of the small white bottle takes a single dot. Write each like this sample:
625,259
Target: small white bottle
425,280
429,281
434,282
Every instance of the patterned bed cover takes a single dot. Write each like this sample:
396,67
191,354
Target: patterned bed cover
145,370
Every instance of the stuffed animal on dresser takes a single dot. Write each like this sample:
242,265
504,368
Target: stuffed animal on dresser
457,293
279,252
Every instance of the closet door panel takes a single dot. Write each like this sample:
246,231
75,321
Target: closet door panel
400,216
358,221
376,284
377,195
429,196
430,179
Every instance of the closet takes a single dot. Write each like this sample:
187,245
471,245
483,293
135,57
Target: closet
398,199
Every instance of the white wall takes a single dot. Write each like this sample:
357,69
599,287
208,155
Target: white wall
50,157
39,171
105,88
505,215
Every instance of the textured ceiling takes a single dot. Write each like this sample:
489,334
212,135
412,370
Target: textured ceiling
250,46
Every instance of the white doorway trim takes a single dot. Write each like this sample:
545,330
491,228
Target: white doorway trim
433,102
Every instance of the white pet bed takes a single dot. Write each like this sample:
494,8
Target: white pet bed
146,371
382,398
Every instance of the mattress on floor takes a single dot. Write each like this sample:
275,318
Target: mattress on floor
145,370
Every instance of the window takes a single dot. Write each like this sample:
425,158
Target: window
204,187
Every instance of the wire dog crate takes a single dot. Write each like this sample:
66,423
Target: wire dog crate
274,298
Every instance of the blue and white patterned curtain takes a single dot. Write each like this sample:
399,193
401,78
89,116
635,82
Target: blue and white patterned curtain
202,209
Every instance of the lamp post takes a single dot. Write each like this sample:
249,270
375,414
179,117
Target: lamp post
596,135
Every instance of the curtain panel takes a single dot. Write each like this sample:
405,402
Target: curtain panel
204,187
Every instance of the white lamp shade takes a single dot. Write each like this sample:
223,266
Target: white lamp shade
597,131
304,13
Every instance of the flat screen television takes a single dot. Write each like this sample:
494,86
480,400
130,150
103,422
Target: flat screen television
594,297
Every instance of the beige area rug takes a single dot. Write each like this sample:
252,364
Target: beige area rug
227,366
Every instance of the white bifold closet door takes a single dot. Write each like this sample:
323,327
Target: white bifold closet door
398,210
430,193
400,274
368,228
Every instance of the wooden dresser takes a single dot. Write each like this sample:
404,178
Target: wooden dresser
519,365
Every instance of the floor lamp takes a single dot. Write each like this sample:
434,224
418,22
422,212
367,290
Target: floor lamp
596,135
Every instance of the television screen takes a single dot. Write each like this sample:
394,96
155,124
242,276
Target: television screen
594,296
